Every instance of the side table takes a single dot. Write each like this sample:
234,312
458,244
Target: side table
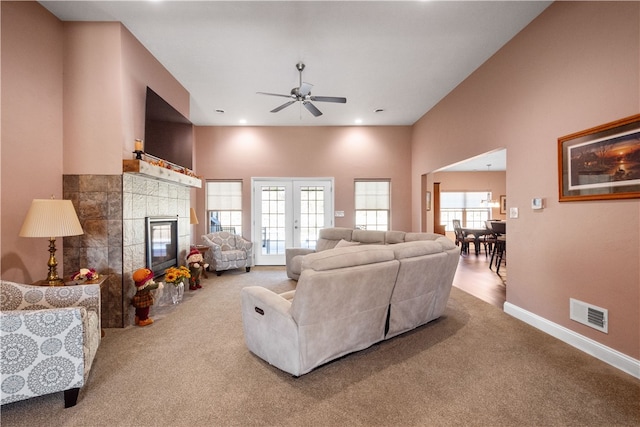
203,249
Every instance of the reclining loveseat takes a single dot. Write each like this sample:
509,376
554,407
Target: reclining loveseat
347,299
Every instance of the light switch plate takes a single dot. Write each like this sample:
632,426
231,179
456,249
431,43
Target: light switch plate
513,213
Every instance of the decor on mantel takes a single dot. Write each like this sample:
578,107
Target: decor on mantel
138,149
157,170
168,165
51,218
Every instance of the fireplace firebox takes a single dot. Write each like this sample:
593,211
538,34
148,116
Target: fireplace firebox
162,243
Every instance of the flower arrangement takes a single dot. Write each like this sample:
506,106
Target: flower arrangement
85,274
175,275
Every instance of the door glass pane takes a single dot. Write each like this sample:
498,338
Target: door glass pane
311,214
273,220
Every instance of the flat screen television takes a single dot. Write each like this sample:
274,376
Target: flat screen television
168,135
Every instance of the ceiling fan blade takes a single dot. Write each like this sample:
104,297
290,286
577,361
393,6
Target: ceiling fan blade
274,94
285,105
305,89
312,109
329,99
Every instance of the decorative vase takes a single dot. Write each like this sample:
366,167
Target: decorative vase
177,292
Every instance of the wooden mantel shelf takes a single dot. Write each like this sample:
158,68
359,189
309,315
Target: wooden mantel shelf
160,173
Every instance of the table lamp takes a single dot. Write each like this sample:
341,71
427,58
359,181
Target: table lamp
193,217
51,218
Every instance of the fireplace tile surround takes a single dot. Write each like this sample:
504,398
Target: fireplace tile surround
112,211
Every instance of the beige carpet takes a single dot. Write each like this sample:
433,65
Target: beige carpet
473,366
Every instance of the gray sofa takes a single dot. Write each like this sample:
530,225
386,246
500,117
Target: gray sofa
348,299
329,238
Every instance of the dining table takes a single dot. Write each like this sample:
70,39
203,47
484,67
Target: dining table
477,233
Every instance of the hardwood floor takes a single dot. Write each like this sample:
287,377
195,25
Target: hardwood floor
474,277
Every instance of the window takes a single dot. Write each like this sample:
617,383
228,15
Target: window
372,202
468,207
224,206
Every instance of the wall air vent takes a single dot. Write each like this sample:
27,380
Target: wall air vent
590,315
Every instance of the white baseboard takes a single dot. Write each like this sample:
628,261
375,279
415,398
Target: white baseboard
589,346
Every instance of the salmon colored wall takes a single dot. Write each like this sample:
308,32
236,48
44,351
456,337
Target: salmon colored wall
576,66
31,132
141,69
73,98
92,98
107,71
345,153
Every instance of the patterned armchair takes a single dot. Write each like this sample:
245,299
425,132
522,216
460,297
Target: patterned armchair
227,251
50,336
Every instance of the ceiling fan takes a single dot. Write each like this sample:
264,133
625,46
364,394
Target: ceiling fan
302,94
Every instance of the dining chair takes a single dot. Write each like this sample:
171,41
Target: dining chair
488,240
462,239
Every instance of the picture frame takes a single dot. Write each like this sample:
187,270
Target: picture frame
503,204
600,163
428,200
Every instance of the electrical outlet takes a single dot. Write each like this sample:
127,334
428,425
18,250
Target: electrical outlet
339,214
513,213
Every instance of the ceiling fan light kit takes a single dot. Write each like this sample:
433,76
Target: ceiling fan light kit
302,93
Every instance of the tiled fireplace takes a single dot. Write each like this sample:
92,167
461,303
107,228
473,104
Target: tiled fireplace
112,210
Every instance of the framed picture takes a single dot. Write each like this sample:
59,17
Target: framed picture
601,163
428,200
503,204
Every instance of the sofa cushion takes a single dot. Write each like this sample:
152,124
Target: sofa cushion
329,237
416,248
369,237
392,237
347,257
233,255
344,244
446,243
412,237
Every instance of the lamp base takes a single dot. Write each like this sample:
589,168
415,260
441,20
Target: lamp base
47,282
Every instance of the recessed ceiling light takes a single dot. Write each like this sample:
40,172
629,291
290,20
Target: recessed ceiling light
242,121
358,121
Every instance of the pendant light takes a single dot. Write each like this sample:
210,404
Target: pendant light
491,203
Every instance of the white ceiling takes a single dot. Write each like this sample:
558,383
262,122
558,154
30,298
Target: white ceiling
399,56
488,162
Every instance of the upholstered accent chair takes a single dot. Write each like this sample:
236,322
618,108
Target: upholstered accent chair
227,251
50,336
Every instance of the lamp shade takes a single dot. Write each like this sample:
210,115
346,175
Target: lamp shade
193,217
51,218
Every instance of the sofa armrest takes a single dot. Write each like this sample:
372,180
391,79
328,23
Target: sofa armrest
294,267
247,246
214,252
49,351
269,330
242,243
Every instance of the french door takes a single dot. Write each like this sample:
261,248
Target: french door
288,213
